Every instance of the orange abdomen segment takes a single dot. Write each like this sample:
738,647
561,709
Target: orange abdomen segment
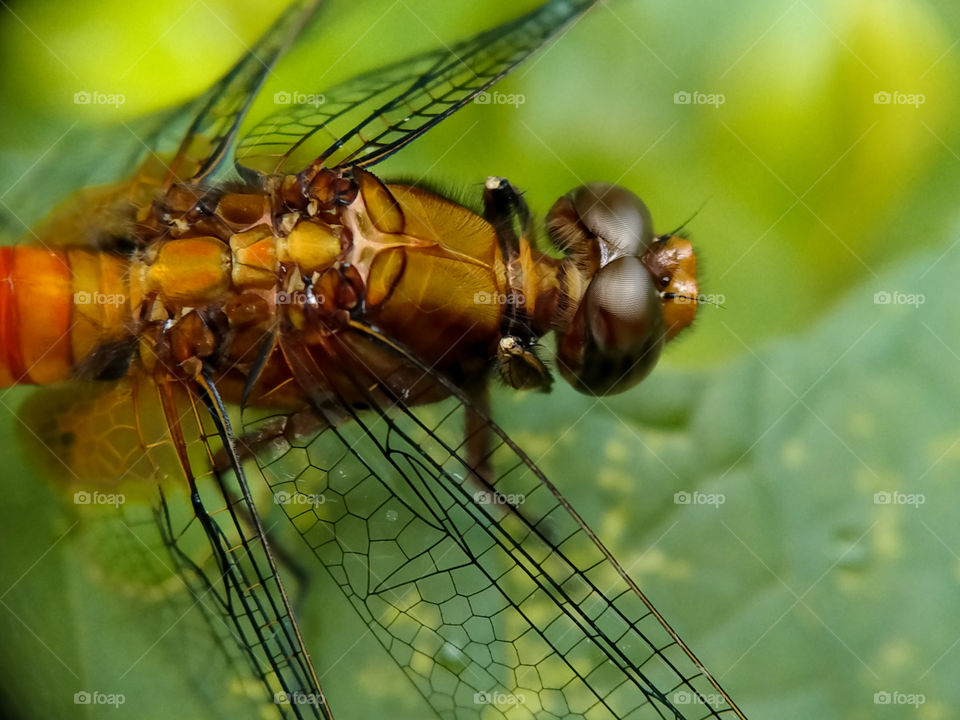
35,299
55,307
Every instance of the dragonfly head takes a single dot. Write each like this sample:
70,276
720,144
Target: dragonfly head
641,289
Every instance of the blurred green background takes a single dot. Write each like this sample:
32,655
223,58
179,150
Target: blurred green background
827,226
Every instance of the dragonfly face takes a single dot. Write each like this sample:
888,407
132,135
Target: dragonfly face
327,336
631,305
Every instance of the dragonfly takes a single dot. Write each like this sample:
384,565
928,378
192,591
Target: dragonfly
253,313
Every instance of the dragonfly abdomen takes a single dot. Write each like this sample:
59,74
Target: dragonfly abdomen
56,308
78,312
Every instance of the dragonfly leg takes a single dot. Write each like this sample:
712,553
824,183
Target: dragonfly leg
477,439
519,366
507,211
478,442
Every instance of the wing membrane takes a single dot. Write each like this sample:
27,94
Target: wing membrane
127,549
490,593
111,159
240,573
153,444
223,107
131,162
365,119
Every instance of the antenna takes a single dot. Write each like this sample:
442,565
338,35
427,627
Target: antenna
688,220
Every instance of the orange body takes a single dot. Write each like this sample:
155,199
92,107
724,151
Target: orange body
56,306
352,259
419,268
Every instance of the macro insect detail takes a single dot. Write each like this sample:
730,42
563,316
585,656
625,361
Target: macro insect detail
262,312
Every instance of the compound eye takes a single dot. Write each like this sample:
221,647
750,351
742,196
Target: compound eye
616,217
618,332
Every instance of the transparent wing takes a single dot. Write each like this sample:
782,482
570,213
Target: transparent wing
222,108
127,164
365,119
128,550
151,445
108,158
486,588
83,441
224,554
